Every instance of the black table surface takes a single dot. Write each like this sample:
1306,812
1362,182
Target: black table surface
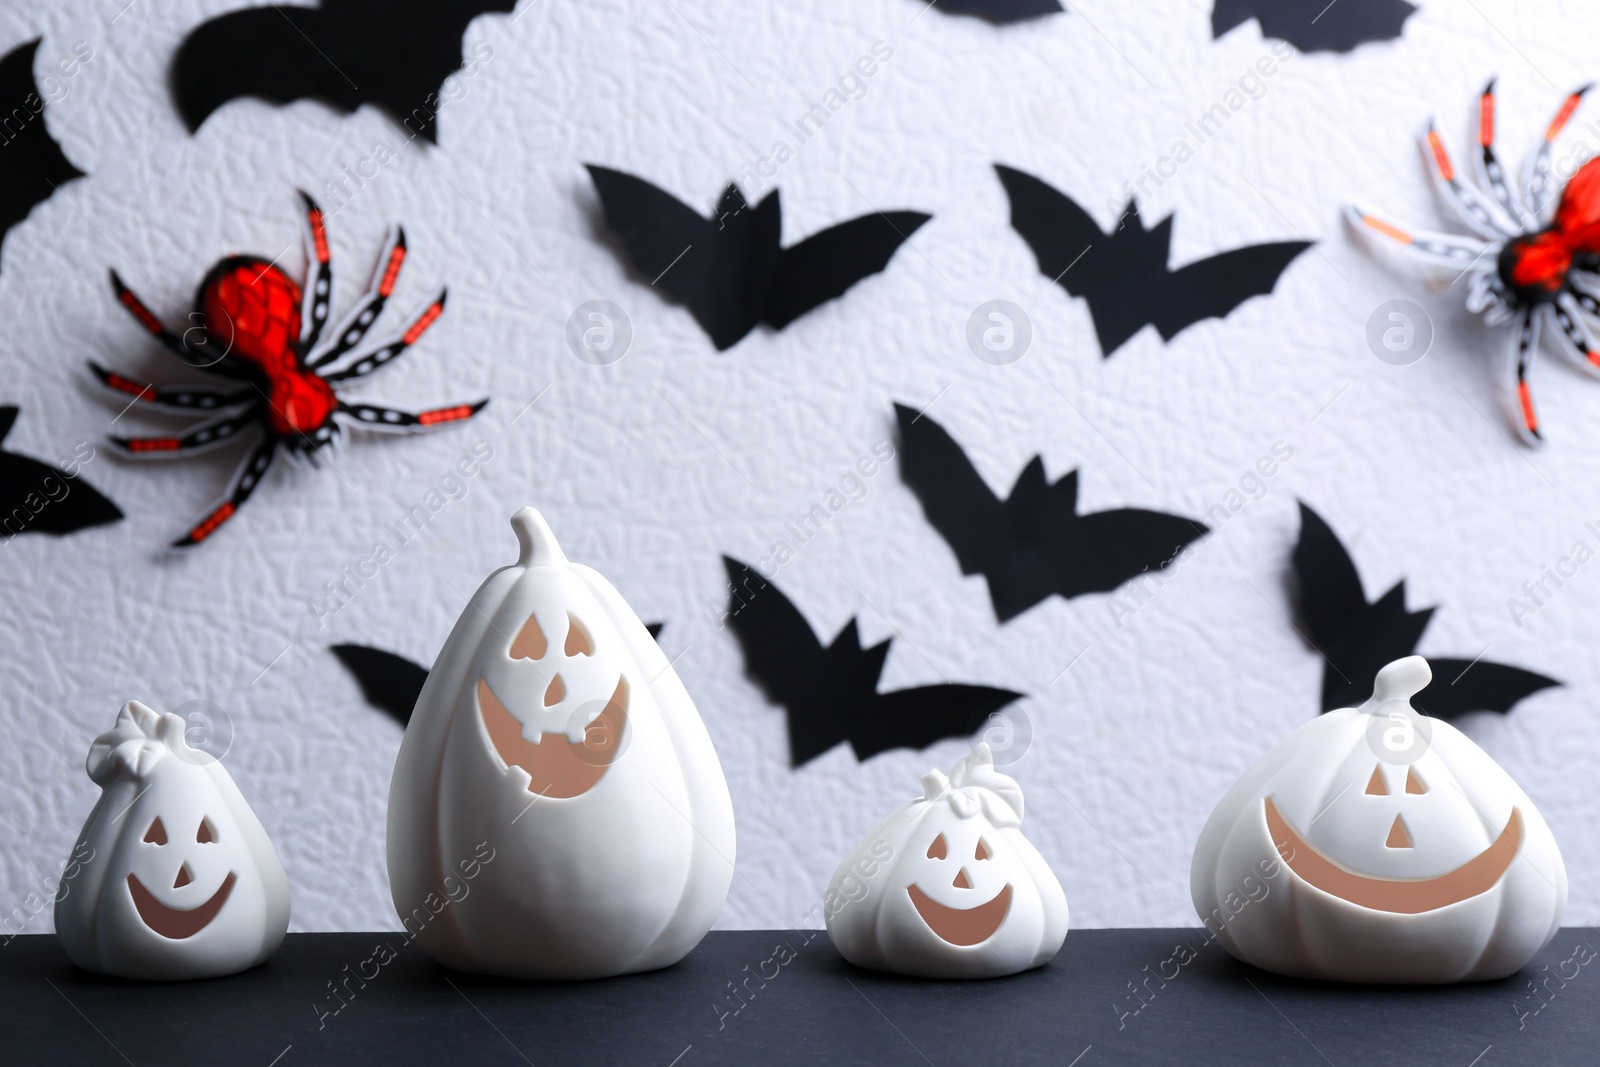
785,996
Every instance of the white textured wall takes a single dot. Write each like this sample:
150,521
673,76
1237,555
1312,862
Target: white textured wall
653,467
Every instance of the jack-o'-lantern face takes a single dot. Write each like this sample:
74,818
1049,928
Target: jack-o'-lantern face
165,919
972,915
572,677
1400,896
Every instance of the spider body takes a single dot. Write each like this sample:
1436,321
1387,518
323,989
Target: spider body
1536,260
256,326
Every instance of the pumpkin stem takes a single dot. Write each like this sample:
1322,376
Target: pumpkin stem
538,547
1401,680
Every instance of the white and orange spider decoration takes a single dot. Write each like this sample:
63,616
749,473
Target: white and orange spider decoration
1538,259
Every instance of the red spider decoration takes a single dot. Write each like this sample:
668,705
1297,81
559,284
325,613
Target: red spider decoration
267,333
1539,260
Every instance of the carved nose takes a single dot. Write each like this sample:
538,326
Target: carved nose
556,690
1399,836
962,881
184,877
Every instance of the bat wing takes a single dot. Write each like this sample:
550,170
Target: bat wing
345,53
36,497
1051,222
999,12
1332,602
826,264
389,682
1461,686
956,500
707,266
1212,288
1339,28
1107,548
916,718
783,656
32,165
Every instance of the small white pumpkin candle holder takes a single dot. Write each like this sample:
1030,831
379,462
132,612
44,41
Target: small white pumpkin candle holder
947,886
173,875
557,808
1375,844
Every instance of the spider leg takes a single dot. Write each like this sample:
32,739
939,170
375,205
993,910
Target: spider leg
245,480
1477,211
374,417
1527,342
1446,249
319,287
354,328
176,397
1541,187
208,434
1575,332
371,361
1490,172
154,328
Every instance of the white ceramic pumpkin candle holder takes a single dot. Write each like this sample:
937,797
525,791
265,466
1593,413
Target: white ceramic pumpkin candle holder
1376,845
174,876
947,886
557,808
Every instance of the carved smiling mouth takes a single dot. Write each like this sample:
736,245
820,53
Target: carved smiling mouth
1399,896
556,767
175,922
962,926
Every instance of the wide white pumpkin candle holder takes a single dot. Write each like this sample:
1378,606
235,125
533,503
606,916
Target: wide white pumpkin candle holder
557,808
1377,845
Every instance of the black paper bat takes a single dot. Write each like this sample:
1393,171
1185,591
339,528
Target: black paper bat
1034,542
37,497
394,54
31,164
1124,274
831,694
1310,27
1357,638
393,683
998,12
730,270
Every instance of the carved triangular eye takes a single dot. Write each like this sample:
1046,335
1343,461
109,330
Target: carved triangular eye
982,851
206,834
529,642
1376,786
579,643
938,850
157,834
1413,783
